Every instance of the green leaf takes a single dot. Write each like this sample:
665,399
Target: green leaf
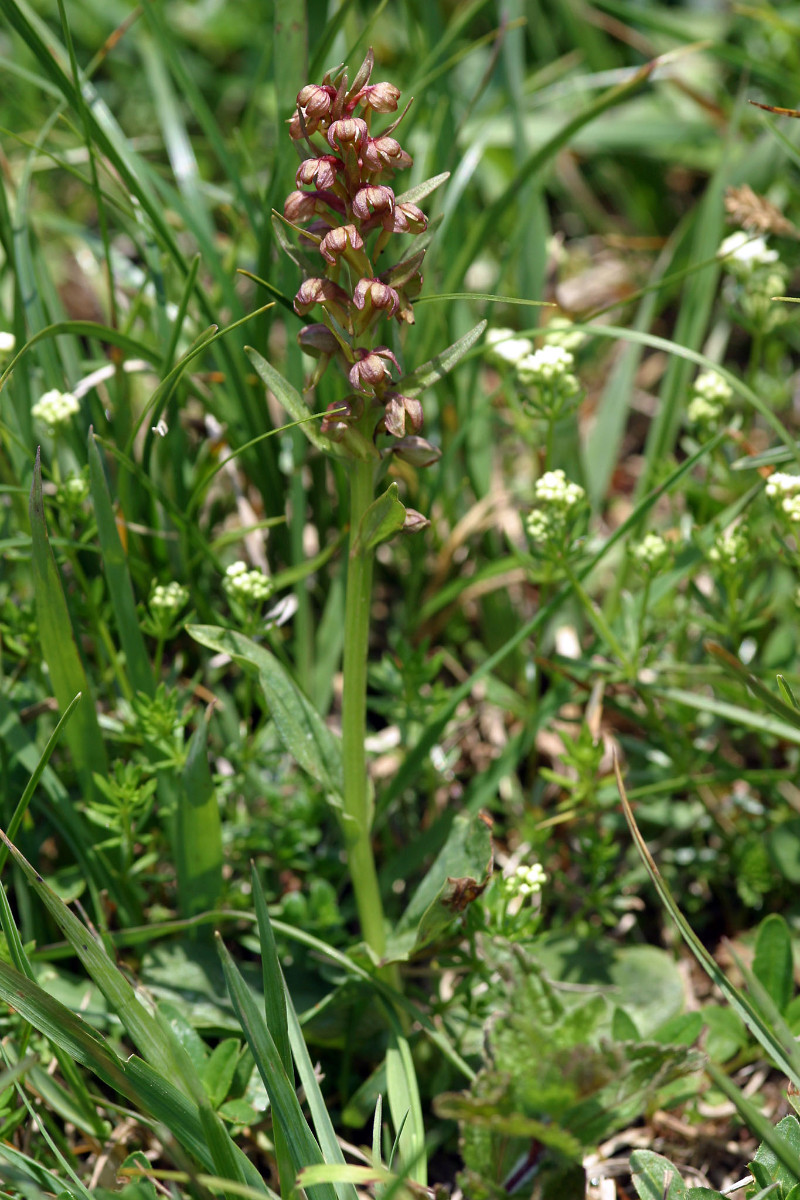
780,1162
59,648
199,831
289,397
115,569
218,1072
726,1034
434,370
459,874
773,963
654,1177
382,520
623,1029
300,1142
405,1106
300,727
415,194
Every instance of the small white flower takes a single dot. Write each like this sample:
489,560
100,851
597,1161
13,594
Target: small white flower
730,548
246,585
162,429
743,254
504,346
76,489
561,332
7,343
703,413
169,597
555,489
526,880
55,408
653,551
546,365
712,387
781,484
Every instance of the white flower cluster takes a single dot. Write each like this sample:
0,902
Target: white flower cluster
561,332
506,348
744,254
710,396
652,552
8,343
55,408
549,365
526,880
245,585
75,489
784,489
730,549
168,598
557,500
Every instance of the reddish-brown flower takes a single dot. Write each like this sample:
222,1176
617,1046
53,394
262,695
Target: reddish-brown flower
349,132
376,294
398,410
375,203
380,97
315,100
318,172
370,369
385,153
338,241
324,292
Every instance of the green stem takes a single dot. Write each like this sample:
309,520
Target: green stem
597,619
358,817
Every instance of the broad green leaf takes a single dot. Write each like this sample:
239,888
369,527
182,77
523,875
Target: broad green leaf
773,964
439,366
59,649
382,520
288,396
300,727
120,588
459,874
655,1177
199,831
218,1072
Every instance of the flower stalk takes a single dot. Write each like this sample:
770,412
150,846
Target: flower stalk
347,214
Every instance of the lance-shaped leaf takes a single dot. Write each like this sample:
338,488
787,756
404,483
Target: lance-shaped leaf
415,194
59,649
428,374
300,727
290,399
383,519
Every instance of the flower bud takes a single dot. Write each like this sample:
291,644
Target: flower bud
414,521
416,451
408,218
375,202
349,132
385,153
338,241
317,340
324,292
316,101
398,408
318,172
300,206
370,369
380,97
377,294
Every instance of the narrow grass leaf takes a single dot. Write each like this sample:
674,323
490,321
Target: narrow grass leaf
786,710
288,396
301,1145
59,649
120,588
140,1025
782,1148
198,847
441,364
19,812
300,727
405,1106
786,1058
